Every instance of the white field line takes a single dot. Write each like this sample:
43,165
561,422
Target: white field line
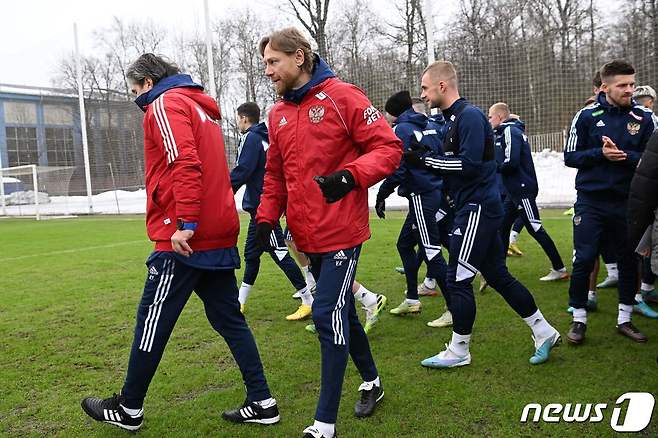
72,250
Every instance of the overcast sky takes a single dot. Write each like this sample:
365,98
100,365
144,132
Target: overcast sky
36,33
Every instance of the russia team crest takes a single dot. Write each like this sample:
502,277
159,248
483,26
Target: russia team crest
316,113
633,128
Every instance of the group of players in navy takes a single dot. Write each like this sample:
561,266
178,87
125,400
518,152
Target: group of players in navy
469,179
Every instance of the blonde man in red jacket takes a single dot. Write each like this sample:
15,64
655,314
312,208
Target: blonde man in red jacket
328,144
191,217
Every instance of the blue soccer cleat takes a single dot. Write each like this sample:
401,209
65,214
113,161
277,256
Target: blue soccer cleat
446,359
544,350
644,309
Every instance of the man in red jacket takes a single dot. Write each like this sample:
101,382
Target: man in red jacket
191,217
328,144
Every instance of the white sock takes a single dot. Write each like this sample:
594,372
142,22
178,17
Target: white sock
513,235
268,402
326,429
638,298
591,295
430,283
375,382
459,344
367,298
541,329
306,296
646,287
624,314
410,301
244,292
562,270
580,315
613,272
133,412
310,280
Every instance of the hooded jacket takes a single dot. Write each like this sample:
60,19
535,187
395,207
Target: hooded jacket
187,177
410,180
325,126
630,129
250,165
643,194
515,163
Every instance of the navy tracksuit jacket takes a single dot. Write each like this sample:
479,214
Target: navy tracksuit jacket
602,190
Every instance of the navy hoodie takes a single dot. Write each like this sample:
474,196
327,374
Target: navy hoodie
250,166
414,181
173,81
629,128
321,72
468,163
411,180
515,163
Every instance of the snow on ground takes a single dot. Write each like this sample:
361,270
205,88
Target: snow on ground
556,189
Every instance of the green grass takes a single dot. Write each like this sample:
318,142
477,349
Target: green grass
69,291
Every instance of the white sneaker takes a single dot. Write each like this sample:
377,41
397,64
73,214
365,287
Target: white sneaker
554,275
444,320
447,359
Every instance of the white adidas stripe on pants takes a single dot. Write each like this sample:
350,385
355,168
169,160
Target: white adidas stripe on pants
336,320
151,321
464,269
430,250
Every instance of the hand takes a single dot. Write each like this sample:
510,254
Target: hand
336,185
646,252
263,234
610,151
179,242
414,156
380,208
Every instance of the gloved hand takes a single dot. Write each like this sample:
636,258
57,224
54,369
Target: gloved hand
380,207
263,233
414,156
336,185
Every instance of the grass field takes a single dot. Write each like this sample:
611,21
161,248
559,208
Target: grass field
68,296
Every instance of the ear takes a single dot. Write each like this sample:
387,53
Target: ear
148,82
299,58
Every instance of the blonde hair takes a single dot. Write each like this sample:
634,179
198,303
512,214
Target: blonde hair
288,41
501,109
442,71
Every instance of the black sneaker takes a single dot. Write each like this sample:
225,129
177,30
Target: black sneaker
576,333
312,432
252,412
110,411
370,396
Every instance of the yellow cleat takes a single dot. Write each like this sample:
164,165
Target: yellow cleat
303,312
242,308
514,248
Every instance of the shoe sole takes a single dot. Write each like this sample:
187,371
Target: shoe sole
381,396
639,341
439,326
265,421
556,344
458,364
575,342
428,294
415,312
113,423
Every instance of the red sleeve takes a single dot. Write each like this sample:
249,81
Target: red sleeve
174,124
381,148
274,197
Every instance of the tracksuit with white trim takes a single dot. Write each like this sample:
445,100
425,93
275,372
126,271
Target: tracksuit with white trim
250,172
520,180
602,188
423,189
187,181
468,168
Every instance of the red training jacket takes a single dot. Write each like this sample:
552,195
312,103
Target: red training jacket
187,176
334,127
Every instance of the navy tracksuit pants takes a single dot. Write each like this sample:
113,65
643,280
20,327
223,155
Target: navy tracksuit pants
526,209
280,255
476,245
594,220
339,330
169,284
421,229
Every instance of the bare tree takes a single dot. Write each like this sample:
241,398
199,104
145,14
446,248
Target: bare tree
313,15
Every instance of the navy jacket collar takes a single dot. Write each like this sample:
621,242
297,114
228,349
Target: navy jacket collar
601,100
411,116
258,128
321,72
454,108
174,81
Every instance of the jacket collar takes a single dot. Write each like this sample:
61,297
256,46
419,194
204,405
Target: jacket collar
165,84
321,72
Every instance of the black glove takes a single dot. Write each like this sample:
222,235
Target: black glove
380,207
414,156
263,233
336,185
